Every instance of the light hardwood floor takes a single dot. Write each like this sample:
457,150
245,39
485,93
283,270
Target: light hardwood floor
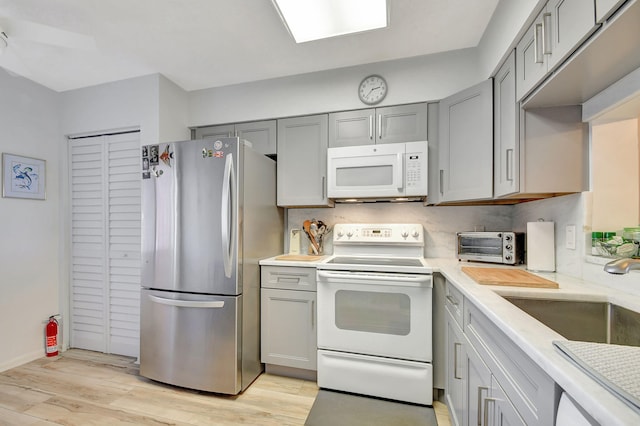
89,388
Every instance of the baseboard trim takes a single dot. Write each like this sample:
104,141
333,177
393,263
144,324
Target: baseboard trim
20,360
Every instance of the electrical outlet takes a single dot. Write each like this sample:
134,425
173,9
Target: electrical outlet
570,237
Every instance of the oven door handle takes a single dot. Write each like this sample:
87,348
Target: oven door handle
382,278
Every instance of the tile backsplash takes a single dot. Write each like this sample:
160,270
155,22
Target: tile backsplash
440,223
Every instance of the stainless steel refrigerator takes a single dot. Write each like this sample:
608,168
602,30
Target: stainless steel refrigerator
208,216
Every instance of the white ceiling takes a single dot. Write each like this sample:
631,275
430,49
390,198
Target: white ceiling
208,43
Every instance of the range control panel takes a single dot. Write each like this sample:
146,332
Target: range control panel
387,233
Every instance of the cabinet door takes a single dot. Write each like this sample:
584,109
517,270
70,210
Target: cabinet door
531,65
456,382
466,144
478,389
261,134
289,328
351,128
567,23
215,132
504,413
605,8
506,115
302,161
403,123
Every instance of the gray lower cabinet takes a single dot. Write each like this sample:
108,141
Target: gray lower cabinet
288,317
261,134
490,381
465,145
302,161
394,124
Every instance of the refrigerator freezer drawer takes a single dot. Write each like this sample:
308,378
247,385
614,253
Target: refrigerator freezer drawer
191,340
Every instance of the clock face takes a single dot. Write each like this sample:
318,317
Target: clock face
372,89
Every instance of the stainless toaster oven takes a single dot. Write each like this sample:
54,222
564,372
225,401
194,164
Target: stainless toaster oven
494,247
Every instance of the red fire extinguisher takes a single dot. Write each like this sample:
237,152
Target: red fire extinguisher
52,336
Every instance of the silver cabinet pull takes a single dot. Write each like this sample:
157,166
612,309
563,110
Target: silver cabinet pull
455,360
546,34
322,189
371,126
487,400
480,390
452,300
509,161
537,43
379,126
313,314
441,182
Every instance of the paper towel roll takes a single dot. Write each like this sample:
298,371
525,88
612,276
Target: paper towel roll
541,249
568,414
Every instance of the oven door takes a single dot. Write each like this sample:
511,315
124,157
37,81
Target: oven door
382,314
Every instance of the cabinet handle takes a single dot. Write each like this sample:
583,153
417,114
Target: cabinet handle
537,47
509,161
441,180
455,360
322,189
487,400
379,126
480,390
370,126
313,314
546,33
452,300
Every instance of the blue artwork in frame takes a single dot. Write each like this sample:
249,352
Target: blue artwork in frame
23,177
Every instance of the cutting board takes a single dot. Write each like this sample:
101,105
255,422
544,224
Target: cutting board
507,277
299,257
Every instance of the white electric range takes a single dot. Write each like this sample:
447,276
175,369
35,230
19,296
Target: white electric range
375,313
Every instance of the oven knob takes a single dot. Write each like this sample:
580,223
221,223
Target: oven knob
349,234
508,257
404,234
340,233
507,237
415,233
508,247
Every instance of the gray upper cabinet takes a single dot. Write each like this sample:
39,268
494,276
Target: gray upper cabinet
505,115
465,144
556,32
605,8
214,132
394,124
261,134
553,151
302,161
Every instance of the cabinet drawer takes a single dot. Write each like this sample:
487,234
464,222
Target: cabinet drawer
454,302
288,277
530,390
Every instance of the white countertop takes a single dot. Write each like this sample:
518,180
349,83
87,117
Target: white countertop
533,337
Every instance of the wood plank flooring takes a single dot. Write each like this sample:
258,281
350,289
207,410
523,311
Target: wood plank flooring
89,388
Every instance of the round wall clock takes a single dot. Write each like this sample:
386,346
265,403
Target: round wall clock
372,89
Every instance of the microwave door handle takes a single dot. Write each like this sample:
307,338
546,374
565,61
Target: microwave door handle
399,171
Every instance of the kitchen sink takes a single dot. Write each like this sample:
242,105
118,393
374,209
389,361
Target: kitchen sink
599,322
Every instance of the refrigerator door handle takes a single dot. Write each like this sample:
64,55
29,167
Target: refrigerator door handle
227,216
187,303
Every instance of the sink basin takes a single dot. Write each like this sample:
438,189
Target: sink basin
599,322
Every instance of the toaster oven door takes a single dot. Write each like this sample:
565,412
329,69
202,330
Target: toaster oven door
481,246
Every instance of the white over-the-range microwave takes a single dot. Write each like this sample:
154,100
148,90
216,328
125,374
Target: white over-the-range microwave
396,171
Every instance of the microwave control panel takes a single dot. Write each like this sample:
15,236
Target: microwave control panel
416,168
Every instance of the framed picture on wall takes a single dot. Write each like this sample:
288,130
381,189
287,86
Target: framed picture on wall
23,177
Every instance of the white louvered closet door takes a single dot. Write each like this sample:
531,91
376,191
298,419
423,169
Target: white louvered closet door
105,243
